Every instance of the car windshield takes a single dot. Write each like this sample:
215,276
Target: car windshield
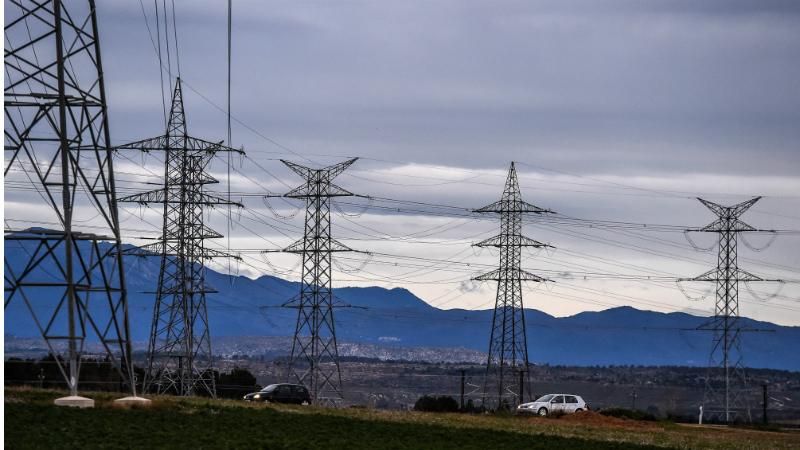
545,398
269,388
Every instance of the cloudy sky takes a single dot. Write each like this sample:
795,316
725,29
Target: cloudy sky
613,110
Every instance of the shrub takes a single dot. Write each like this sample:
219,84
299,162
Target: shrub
235,383
472,409
442,403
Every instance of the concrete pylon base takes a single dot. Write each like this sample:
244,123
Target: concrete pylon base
133,401
75,401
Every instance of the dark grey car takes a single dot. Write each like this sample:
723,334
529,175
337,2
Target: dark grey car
281,393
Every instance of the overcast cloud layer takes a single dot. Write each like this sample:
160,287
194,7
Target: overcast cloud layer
617,110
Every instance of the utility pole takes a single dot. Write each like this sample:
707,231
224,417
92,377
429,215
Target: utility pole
463,380
764,403
728,402
314,360
57,139
508,345
179,358
634,396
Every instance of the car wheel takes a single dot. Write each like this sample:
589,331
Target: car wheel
578,410
542,411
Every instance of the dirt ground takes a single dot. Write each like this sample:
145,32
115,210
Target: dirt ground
594,418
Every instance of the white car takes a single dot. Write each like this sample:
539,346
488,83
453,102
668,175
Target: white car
554,403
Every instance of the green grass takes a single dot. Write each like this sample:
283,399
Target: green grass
37,426
33,422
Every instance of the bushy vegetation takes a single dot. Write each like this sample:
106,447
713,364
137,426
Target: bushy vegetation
100,375
442,403
472,409
96,375
235,383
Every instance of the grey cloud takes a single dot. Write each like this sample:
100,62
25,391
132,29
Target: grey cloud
691,96
469,286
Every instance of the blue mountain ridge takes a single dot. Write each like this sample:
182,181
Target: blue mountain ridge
618,336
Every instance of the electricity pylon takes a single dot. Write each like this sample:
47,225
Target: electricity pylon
179,358
728,402
314,360
508,344
57,139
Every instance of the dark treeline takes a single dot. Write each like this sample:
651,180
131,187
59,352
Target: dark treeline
100,375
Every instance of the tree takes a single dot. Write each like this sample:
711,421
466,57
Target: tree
236,383
442,403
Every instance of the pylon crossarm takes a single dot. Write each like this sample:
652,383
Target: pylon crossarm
743,275
516,241
710,275
304,245
710,326
512,206
160,196
336,169
38,234
311,190
154,249
740,208
504,276
187,144
303,171
732,226
207,232
716,208
738,275
158,249
154,196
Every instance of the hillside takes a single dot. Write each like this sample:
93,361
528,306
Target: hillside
397,319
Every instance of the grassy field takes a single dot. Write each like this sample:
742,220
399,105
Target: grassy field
31,421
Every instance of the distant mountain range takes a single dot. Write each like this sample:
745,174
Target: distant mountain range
396,318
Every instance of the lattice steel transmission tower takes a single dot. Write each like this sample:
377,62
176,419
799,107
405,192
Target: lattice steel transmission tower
508,344
57,140
728,402
179,358
314,359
